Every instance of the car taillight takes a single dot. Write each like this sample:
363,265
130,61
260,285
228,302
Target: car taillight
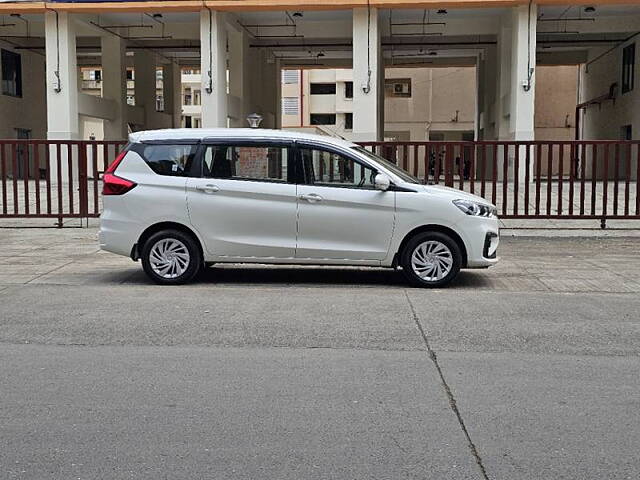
112,184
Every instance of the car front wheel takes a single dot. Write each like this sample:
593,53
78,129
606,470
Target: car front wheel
431,259
171,257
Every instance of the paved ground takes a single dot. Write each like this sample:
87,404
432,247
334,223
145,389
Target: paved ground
528,370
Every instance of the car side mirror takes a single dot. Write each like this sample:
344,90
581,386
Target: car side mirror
382,182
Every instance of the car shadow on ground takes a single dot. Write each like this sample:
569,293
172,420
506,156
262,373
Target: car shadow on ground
267,275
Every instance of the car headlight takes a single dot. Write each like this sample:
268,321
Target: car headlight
476,209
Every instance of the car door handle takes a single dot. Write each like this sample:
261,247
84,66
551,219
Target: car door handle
209,188
311,197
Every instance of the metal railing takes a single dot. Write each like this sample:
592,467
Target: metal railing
53,178
537,179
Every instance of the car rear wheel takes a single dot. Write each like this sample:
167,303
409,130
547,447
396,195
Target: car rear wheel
171,257
431,259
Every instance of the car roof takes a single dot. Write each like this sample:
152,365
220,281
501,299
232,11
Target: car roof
235,134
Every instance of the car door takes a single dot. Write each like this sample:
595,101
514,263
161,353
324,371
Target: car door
244,205
340,213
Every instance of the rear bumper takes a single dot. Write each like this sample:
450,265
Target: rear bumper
117,236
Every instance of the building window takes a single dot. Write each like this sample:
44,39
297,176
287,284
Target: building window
323,119
11,74
159,103
290,105
348,121
628,67
397,87
322,88
290,77
129,74
187,122
348,90
95,75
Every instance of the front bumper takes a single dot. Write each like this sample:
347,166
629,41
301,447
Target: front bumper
482,238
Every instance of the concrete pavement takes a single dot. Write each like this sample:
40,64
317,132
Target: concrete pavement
526,370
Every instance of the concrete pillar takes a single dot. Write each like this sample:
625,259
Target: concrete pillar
114,85
62,76
276,105
517,51
171,90
516,74
368,76
239,78
213,62
144,66
488,86
523,64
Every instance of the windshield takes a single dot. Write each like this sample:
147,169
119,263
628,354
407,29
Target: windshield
392,167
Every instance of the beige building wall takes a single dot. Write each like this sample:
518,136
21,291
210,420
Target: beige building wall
28,112
556,99
442,103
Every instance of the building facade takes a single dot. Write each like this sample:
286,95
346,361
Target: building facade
236,53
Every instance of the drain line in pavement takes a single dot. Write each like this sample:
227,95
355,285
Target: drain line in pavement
447,389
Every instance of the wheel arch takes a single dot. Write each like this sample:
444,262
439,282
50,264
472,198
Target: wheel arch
432,228
157,227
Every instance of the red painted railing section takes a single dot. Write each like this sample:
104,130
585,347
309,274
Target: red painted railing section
53,178
537,179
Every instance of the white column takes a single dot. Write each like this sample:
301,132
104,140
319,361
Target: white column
213,62
368,76
503,78
62,76
144,66
516,73
114,85
523,64
171,90
239,86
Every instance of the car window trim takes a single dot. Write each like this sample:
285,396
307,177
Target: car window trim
177,141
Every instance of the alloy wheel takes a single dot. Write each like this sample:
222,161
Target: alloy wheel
431,261
169,258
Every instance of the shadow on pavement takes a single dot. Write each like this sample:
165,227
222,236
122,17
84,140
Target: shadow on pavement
313,276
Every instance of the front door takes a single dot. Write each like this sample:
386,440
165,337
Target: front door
340,213
244,205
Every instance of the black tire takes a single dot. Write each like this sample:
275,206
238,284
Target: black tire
193,267
419,239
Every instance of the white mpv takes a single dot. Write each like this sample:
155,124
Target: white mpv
180,200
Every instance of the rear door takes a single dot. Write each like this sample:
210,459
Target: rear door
244,204
340,213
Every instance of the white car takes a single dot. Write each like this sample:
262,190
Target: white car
183,199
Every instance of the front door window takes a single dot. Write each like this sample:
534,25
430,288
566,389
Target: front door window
325,168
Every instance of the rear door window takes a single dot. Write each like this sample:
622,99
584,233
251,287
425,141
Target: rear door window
266,163
176,160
